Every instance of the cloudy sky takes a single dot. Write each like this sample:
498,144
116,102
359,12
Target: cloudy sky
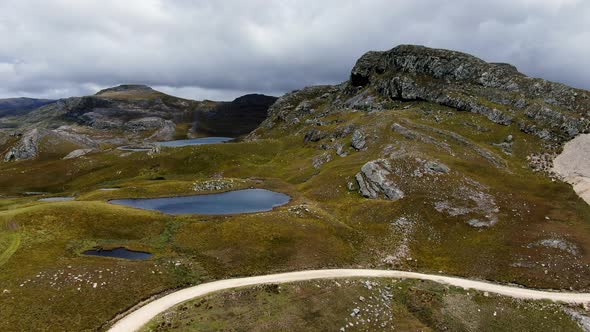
220,49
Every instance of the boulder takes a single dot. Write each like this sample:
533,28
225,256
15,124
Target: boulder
358,140
373,181
314,135
318,161
436,167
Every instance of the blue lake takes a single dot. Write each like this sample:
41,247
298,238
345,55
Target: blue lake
119,253
232,202
195,141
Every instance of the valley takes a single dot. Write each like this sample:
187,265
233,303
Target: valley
426,160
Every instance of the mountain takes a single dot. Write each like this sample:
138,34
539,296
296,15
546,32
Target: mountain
424,160
551,111
451,140
123,115
21,106
234,118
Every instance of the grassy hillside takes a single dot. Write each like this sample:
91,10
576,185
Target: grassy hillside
325,225
413,165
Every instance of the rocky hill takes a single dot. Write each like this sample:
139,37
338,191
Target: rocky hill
434,127
126,114
551,111
234,118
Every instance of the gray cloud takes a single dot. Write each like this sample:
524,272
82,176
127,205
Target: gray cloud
221,49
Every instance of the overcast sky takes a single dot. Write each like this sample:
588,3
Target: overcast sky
220,49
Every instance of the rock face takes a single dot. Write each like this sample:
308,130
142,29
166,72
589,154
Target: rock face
464,82
374,183
573,165
26,148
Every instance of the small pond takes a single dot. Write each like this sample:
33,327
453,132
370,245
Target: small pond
195,141
134,148
119,253
57,199
232,202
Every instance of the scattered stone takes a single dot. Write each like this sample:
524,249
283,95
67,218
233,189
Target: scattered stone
433,167
351,186
582,319
216,184
559,244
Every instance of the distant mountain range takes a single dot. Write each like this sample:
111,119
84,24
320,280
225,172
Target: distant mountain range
21,106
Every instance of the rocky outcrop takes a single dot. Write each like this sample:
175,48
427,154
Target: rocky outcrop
166,132
78,153
26,148
374,182
314,135
292,106
573,165
71,134
466,83
318,161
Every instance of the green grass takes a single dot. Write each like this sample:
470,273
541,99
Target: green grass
9,243
389,305
341,229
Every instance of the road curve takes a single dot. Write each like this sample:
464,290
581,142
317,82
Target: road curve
138,318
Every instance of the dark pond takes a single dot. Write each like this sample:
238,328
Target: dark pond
239,201
134,148
119,253
195,141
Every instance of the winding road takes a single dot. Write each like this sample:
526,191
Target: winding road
138,318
